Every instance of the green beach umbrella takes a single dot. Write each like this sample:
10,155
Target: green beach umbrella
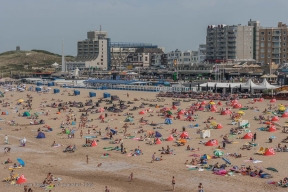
272,169
218,153
169,112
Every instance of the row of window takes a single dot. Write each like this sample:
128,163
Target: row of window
269,50
269,44
269,39
269,56
277,32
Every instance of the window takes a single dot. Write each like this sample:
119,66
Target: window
284,38
284,32
284,50
269,33
101,63
262,50
262,33
146,58
269,39
262,44
269,44
262,39
268,55
269,50
284,44
262,55
101,59
284,55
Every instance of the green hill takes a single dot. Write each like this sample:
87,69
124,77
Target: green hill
16,60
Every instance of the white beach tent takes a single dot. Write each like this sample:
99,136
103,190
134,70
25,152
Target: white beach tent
249,84
55,64
266,85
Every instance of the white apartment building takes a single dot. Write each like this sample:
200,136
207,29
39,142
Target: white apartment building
93,52
201,53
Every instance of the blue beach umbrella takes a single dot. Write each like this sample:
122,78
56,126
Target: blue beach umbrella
21,162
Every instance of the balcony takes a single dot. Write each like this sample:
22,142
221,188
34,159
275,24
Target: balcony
231,45
276,40
276,52
276,34
232,39
232,35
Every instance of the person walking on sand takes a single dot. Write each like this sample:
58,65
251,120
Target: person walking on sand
153,157
81,134
131,176
200,187
87,159
107,189
173,183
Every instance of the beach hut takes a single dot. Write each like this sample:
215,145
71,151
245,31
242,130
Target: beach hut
226,112
39,83
158,141
184,135
248,136
219,126
285,114
40,135
76,92
4,113
92,94
106,95
56,91
205,134
21,180
269,152
170,138
38,89
237,106
94,143
272,129
212,142
168,121
275,118
26,114
50,84
157,134
273,100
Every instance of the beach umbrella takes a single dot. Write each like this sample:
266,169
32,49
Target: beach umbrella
241,112
227,161
212,103
218,153
182,141
272,169
169,112
20,100
213,123
21,162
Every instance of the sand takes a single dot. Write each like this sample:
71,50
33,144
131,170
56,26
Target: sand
76,175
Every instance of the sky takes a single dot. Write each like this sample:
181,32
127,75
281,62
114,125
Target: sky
173,24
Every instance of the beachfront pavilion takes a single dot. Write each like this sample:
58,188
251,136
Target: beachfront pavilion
232,87
110,83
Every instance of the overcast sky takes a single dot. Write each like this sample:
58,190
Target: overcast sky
42,24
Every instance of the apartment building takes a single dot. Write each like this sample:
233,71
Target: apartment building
93,52
201,53
225,42
273,44
185,58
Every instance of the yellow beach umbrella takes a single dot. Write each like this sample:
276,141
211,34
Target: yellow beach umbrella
241,112
213,123
212,103
282,108
20,100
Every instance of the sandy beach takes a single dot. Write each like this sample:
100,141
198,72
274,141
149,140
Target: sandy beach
76,175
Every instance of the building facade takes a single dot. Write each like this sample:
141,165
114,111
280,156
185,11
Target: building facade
178,57
224,42
93,52
201,53
273,44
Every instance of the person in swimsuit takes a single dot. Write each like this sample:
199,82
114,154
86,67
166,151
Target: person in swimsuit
200,187
173,183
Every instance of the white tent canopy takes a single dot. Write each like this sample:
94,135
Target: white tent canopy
55,64
266,85
220,85
249,84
